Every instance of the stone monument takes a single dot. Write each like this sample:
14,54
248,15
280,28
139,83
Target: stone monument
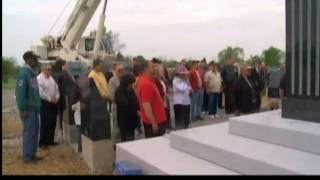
97,145
303,60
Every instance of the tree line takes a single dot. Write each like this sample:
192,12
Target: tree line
272,57
10,68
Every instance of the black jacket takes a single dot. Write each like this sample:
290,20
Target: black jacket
244,98
258,79
228,74
60,80
127,108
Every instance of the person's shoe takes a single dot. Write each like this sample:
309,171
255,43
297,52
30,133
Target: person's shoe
80,155
54,144
140,131
37,158
211,117
43,147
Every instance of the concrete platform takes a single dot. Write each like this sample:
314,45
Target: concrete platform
243,155
157,158
99,155
69,133
271,127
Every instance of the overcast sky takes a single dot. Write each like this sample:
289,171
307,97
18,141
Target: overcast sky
169,28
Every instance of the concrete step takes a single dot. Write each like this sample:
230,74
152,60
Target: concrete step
245,156
271,127
157,158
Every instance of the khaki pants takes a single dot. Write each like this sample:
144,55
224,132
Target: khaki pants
115,131
274,103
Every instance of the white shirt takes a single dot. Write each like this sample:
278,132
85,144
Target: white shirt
48,88
181,89
77,113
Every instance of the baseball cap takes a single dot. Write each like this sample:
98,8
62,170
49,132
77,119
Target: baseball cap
30,55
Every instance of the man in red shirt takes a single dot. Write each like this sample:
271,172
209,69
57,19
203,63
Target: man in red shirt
197,93
152,105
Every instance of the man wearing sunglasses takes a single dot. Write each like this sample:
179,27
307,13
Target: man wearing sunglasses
49,94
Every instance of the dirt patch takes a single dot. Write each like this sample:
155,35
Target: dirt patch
10,126
60,160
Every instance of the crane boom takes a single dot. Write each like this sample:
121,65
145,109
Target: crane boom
71,45
100,28
78,21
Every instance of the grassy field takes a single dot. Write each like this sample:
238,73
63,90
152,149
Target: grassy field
10,85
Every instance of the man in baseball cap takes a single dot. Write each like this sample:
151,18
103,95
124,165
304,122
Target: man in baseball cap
31,59
28,102
30,55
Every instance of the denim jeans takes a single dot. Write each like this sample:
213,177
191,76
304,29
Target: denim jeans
213,99
200,101
196,104
30,135
205,102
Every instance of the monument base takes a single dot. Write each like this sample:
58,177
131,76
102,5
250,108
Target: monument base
257,144
301,109
214,143
272,128
167,161
99,155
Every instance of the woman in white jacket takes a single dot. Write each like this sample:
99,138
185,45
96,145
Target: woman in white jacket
181,98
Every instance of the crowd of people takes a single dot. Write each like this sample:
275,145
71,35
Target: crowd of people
140,97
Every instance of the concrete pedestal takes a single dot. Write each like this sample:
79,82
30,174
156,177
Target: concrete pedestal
99,155
69,133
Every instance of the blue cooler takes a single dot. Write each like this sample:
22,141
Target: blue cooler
126,168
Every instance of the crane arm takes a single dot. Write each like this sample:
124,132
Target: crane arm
78,21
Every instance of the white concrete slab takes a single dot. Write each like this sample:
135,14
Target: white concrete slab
243,155
157,158
271,127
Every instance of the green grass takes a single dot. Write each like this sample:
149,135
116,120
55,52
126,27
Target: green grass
11,84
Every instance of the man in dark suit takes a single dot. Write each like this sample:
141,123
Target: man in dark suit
228,76
244,93
257,78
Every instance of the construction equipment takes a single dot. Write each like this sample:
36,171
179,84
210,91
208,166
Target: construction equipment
71,46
